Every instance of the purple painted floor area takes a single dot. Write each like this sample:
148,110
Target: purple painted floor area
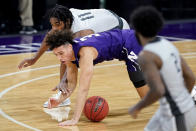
21,39
182,30
20,44
26,43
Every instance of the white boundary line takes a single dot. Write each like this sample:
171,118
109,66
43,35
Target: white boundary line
24,82
39,78
17,122
13,87
175,38
28,81
57,65
35,69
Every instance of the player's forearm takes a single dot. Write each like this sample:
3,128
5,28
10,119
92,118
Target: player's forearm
62,70
70,85
80,101
85,79
156,91
41,50
83,33
151,97
70,89
189,82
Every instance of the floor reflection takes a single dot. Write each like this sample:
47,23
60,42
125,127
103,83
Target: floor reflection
59,114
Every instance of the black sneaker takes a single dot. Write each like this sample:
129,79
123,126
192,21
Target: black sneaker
28,30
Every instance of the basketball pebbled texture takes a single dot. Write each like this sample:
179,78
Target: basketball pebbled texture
96,108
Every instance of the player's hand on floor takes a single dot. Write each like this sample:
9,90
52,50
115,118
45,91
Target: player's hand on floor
133,111
53,102
26,63
71,122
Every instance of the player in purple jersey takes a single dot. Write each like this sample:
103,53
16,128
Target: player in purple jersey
82,23
87,51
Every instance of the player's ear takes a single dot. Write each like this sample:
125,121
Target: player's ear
67,24
70,46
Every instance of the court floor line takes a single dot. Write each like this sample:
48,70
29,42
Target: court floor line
57,65
28,70
28,81
17,122
15,86
176,38
44,67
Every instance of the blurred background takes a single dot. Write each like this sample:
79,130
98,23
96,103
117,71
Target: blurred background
172,10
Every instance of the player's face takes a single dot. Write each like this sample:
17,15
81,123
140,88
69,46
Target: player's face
64,53
56,24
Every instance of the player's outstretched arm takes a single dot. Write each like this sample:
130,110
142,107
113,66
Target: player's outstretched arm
83,33
150,65
86,73
30,61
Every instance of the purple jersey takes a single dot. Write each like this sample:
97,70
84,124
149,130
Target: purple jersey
113,44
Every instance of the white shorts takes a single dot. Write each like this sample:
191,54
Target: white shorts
161,122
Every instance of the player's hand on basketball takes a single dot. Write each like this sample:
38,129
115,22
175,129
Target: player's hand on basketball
26,63
71,122
133,111
53,102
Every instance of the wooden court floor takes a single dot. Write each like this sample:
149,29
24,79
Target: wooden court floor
22,94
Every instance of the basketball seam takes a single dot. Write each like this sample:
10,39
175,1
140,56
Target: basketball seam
92,107
100,110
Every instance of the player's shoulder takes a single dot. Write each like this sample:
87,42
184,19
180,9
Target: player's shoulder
80,11
147,58
128,31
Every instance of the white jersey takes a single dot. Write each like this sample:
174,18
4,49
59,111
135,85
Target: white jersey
177,99
98,20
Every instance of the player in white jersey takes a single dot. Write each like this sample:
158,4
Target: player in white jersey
167,74
98,20
82,23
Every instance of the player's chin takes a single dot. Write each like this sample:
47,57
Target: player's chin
63,62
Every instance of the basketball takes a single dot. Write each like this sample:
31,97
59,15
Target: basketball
96,108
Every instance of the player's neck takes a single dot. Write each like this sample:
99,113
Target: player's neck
145,40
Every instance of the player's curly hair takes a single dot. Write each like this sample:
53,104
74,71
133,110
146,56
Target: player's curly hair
57,38
147,21
61,13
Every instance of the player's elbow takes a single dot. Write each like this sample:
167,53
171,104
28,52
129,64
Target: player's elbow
189,79
88,73
160,92
192,79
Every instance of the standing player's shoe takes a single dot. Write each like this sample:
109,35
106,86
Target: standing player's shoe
28,30
64,103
